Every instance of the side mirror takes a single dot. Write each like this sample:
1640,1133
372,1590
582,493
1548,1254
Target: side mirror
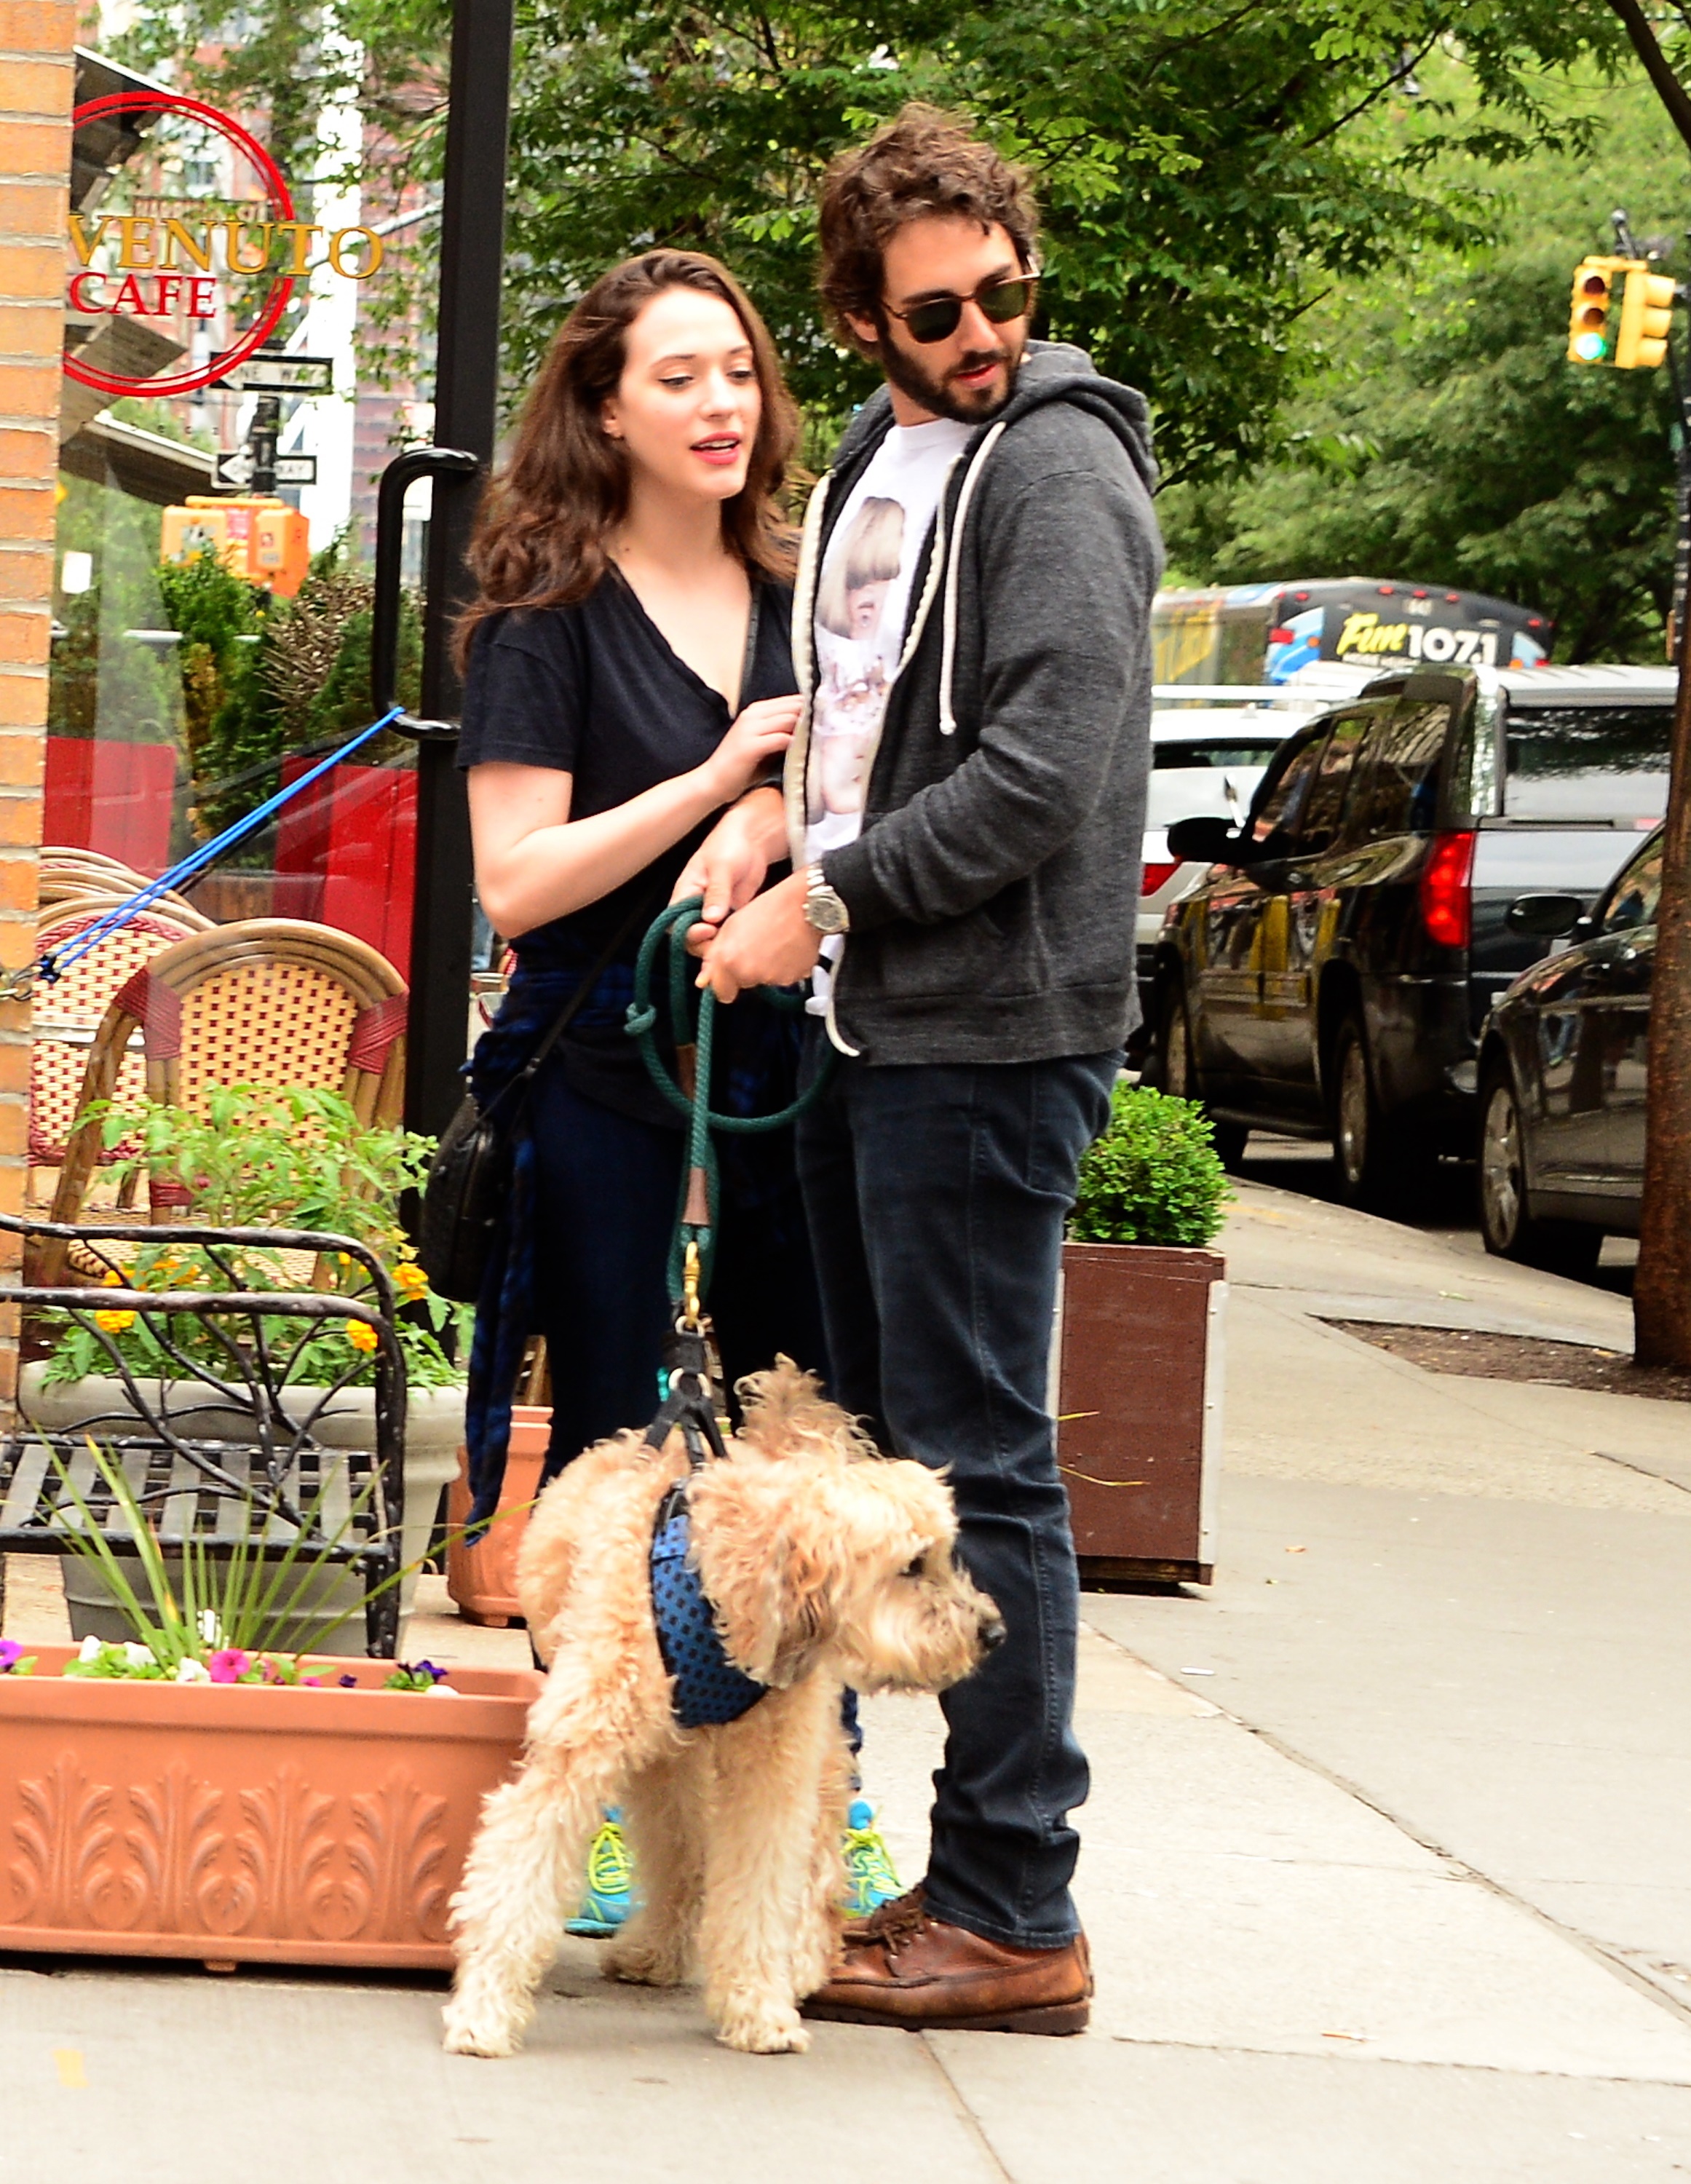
1544,914
1206,841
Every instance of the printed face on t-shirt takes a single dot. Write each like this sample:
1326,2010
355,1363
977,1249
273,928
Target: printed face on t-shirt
863,607
856,649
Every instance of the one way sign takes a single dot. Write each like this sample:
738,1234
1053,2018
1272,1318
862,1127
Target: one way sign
233,471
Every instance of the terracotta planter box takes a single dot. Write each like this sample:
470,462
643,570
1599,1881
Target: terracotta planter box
242,1823
1137,1374
482,1579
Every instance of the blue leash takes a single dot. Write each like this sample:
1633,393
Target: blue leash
54,962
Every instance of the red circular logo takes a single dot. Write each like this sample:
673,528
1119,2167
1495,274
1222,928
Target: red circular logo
276,196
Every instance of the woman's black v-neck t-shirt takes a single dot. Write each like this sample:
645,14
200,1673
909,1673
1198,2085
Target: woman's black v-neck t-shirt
596,690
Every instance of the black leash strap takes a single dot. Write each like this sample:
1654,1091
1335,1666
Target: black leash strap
688,1405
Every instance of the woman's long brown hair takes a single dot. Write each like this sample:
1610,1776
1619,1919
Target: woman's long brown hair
541,537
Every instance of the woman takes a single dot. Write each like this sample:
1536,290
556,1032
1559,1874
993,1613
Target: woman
628,674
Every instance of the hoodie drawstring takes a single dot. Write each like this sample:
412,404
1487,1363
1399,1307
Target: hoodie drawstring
948,655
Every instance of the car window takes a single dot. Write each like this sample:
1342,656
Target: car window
1634,896
1283,791
1396,793
1319,828
1597,762
1217,751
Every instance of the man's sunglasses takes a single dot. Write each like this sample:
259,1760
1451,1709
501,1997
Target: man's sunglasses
1000,301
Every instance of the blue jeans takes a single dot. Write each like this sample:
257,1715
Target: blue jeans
935,1197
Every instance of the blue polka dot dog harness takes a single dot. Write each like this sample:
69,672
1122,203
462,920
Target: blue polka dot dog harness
709,1689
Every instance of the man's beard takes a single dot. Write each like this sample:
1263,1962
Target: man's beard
963,405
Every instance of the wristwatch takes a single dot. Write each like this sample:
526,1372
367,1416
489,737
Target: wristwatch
824,910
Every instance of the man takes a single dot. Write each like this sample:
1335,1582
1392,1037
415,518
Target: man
964,805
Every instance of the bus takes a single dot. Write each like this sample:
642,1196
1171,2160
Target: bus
1263,633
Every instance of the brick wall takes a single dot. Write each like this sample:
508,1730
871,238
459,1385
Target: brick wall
36,88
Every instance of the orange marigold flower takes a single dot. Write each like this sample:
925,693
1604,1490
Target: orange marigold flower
113,1323
410,1281
361,1335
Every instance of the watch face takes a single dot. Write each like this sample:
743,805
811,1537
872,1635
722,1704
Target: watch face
824,910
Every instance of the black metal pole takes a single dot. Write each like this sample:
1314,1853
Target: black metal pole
466,412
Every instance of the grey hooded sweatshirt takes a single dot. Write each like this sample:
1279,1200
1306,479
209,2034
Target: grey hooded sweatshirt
993,888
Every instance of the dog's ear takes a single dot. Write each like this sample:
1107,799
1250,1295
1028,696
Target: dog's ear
773,1558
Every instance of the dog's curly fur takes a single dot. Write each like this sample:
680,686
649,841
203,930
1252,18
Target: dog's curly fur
827,1565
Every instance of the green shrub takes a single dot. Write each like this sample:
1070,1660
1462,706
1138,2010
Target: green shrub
1153,1176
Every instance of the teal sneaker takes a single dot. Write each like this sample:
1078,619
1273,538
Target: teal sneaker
609,1897
870,1879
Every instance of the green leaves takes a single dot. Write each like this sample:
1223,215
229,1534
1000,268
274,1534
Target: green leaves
264,1158
1439,433
1153,1176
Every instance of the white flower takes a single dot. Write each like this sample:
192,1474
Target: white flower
442,1691
91,1650
192,1672
138,1657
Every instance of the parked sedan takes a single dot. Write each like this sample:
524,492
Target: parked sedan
1563,1062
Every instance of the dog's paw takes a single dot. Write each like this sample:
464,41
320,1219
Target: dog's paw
637,1963
758,2026
479,2031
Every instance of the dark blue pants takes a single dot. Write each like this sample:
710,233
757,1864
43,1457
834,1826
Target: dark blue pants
606,1185
937,1197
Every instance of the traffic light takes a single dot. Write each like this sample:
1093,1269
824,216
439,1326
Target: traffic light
1646,317
1590,333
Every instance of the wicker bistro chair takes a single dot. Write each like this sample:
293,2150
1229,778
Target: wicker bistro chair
80,878
67,1015
268,1002
229,1449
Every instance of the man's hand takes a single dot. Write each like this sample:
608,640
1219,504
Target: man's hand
729,866
766,943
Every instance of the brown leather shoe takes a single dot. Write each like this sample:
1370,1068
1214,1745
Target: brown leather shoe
902,1967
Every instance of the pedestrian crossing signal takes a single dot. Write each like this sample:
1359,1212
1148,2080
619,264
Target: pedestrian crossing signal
1646,318
1591,338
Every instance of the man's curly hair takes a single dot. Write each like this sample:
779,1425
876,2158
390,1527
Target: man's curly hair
923,163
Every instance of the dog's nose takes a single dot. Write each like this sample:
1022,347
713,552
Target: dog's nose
993,1634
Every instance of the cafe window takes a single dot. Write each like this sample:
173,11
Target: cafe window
221,429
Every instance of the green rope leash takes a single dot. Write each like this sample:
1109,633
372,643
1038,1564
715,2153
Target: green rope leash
694,1238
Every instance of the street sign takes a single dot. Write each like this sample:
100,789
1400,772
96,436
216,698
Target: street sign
268,374
233,471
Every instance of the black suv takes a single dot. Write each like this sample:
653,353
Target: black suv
1330,975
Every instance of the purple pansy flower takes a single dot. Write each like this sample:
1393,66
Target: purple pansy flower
10,1652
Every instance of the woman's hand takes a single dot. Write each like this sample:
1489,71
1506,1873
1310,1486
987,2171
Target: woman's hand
761,733
730,865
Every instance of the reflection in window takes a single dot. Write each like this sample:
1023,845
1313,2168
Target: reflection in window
1597,762
1321,822
1278,809
1400,792
1637,892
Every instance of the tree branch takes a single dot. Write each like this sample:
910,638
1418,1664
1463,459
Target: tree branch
1669,89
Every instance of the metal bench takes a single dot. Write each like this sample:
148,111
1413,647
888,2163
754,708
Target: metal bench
223,1447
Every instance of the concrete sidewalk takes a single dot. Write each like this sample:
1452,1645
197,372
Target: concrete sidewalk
1384,1865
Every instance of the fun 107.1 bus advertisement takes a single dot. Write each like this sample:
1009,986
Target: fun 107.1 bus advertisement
1263,633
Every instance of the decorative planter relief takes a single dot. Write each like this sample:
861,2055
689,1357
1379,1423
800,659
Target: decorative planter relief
245,1823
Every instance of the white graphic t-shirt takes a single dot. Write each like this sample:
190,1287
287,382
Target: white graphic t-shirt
863,600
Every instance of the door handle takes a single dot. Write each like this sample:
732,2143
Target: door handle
400,475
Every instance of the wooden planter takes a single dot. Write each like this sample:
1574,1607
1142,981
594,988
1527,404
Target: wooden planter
482,1579
1137,1371
244,1823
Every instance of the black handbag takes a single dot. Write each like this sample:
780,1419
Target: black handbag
470,1177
